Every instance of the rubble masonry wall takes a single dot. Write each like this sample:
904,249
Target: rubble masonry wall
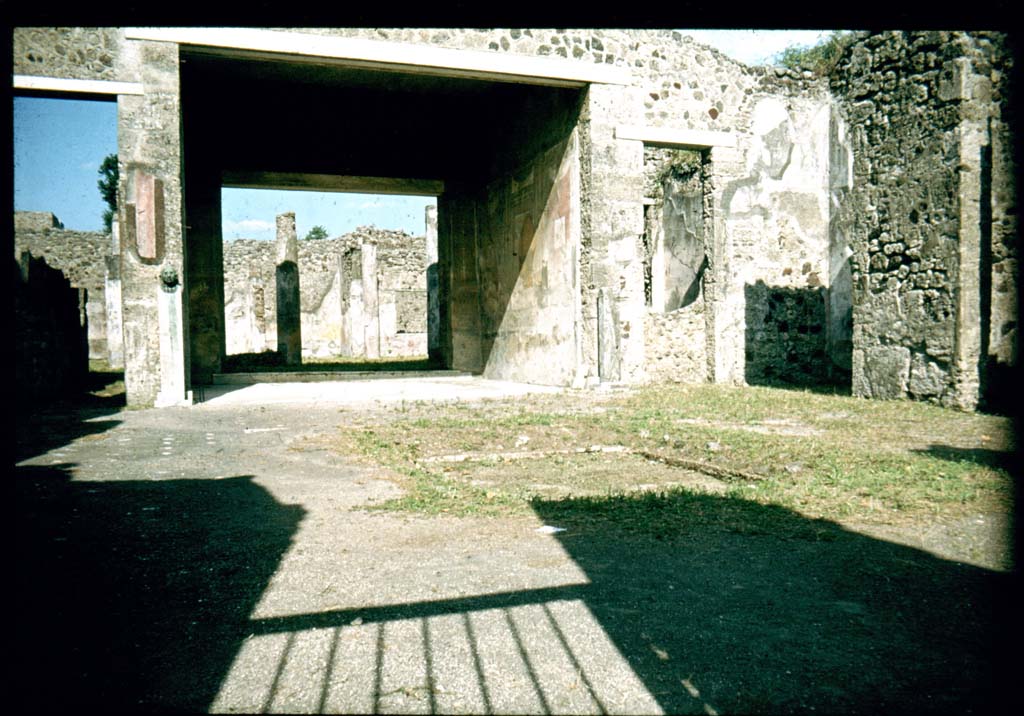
930,213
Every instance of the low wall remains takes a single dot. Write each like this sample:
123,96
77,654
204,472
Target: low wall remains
79,255
335,315
51,355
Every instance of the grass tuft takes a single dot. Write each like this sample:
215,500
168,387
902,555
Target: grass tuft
824,457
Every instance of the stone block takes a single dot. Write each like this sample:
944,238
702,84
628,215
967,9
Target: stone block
885,371
927,378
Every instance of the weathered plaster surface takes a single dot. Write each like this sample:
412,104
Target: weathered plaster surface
149,144
612,242
528,247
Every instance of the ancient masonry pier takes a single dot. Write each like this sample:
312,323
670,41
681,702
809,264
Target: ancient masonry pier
289,319
433,298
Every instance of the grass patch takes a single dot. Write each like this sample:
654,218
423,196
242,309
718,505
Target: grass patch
677,511
104,385
825,457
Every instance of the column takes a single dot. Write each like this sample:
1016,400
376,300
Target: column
289,323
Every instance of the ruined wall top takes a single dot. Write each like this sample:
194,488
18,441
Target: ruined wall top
79,254
36,221
873,55
685,82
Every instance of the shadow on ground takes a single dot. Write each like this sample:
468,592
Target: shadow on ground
998,459
748,608
48,425
136,595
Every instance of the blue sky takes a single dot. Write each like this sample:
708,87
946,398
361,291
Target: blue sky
251,213
58,148
756,47
59,144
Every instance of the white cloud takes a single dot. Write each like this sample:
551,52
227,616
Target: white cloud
249,229
89,165
249,225
754,47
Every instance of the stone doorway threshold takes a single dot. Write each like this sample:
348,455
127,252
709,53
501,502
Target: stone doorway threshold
374,389
309,376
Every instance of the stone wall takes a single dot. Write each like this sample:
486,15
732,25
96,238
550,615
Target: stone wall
878,202
86,53
786,335
769,207
933,238
402,291
80,256
249,296
741,221
36,221
330,282
50,342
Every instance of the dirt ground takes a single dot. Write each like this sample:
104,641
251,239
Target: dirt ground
216,558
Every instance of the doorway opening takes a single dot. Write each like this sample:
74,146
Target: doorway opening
501,159
359,279
68,328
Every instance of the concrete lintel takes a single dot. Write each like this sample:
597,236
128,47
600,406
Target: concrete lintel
57,84
397,56
331,182
676,137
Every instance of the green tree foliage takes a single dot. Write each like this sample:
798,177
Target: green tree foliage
683,165
820,59
108,188
316,233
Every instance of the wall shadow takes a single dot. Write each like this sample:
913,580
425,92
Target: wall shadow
272,362
51,338
103,389
521,258
785,339
506,244
999,459
746,608
38,432
136,595
289,313
39,428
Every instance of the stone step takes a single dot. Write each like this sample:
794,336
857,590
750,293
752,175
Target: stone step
309,376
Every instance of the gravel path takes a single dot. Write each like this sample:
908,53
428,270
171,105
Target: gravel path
207,559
